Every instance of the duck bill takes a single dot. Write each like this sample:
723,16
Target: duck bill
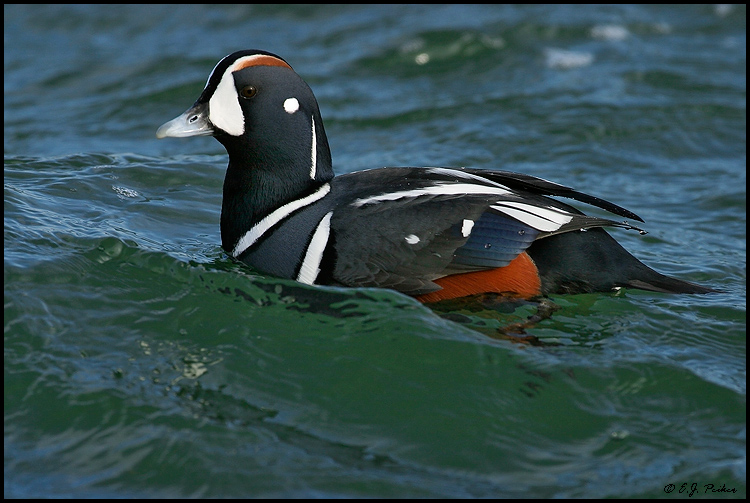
194,122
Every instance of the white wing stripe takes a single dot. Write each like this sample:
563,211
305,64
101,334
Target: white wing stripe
439,189
462,174
273,218
545,219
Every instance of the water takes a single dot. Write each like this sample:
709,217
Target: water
141,362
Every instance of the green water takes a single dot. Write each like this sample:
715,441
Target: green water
140,361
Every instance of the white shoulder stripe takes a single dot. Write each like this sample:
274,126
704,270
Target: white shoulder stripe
439,189
273,218
310,268
541,218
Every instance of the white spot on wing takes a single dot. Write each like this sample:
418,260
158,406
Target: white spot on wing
310,268
251,236
466,227
291,105
412,239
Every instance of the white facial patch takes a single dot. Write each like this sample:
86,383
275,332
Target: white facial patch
224,109
412,239
291,105
466,227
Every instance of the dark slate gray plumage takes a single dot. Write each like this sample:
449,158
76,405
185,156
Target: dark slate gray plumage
286,214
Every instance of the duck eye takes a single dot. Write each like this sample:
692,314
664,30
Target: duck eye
248,91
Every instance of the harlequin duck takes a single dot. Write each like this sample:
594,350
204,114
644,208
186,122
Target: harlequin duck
434,233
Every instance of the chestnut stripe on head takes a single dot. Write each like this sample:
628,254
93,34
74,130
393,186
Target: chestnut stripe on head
258,60
224,111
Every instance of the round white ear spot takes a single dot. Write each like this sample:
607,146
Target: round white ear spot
291,105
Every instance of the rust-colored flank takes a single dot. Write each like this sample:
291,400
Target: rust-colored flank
520,276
